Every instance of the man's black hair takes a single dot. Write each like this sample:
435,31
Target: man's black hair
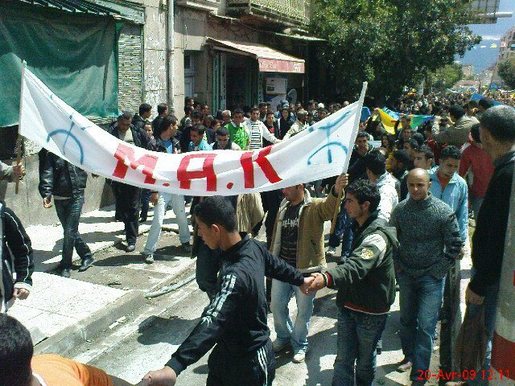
161,108
127,115
201,129
262,104
222,131
375,162
419,138
196,115
485,103
499,121
364,190
254,109
164,124
456,111
216,210
414,144
187,100
16,350
474,133
362,134
238,111
402,155
144,108
426,150
188,110
450,152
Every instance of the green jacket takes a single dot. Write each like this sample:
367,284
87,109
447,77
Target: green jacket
366,281
310,244
238,135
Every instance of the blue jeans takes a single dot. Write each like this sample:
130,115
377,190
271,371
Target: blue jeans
358,334
490,306
342,233
296,333
69,212
420,302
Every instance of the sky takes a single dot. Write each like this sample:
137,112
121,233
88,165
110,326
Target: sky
485,54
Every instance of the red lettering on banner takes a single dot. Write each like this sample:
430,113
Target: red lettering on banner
265,165
208,172
147,161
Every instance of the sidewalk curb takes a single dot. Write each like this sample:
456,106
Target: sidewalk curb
66,339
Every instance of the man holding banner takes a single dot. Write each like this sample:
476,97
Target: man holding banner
128,196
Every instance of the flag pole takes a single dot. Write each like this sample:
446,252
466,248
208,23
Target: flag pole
20,140
361,100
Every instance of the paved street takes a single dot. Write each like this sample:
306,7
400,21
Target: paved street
144,339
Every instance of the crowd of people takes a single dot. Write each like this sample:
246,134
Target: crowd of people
400,214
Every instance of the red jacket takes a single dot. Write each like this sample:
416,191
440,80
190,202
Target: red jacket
478,160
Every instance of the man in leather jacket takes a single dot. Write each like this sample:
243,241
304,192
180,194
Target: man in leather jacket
65,183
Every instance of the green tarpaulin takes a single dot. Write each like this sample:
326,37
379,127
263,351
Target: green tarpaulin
74,55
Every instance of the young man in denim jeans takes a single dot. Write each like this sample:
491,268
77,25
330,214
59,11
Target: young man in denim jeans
366,287
430,242
65,183
298,238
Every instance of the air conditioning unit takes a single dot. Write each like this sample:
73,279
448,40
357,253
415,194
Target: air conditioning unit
276,86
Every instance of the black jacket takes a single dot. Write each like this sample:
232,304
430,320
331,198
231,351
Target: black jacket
237,316
139,136
138,122
492,221
58,177
366,282
16,254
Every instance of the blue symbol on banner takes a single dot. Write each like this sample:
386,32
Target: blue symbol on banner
328,127
68,134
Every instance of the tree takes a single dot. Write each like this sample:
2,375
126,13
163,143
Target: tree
445,77
506,70
390,43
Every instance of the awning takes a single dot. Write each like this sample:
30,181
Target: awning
269,60
133,13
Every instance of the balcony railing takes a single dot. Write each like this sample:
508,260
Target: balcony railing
289,11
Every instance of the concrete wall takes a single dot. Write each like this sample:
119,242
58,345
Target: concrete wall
28,204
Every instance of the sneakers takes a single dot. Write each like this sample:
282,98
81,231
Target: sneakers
186,247
130,248
331,251
405,365
299,356
65,272
278,345
86,263
149,259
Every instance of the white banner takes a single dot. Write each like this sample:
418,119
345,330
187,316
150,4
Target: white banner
321,151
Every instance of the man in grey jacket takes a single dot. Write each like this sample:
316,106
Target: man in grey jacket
430,241
457,134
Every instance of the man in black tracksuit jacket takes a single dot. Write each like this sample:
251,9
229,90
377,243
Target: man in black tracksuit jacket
236,319
15,257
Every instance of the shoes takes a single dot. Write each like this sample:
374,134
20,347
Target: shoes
86,263
405,365
299,356
65,272
186,247
342,260
130,248
279,345
149,259
331,251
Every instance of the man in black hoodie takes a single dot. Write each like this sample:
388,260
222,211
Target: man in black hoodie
366,287
236,319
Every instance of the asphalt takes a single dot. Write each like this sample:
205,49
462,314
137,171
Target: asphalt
62,312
